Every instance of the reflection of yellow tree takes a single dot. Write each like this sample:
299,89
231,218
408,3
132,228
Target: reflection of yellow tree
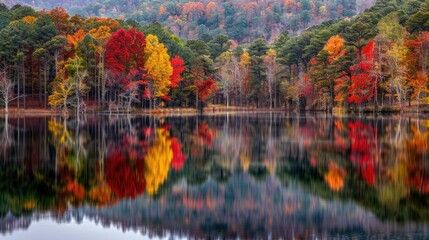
404,170
394,189
101,193
245,161
59,132
335,177
418,143
157,161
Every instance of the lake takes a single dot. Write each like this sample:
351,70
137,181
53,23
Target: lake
223,176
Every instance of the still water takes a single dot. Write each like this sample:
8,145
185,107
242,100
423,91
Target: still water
236,176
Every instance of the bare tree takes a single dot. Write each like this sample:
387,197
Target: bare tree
228,74
131,93
270,62
6,89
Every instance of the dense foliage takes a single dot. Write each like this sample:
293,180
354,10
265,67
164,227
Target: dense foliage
243,20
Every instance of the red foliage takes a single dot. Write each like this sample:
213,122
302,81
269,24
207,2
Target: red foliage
368,52
166,98
362,88
205,134
178,68
125,56
125,175
361,137
205,88
146,94
307,88
178,157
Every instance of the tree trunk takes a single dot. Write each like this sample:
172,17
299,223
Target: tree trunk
45,76
23,85
56,62
196,98
19,97
40,81
376,95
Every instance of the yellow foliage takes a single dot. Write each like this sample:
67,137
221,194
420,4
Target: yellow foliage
102,36
418,142
271,53
76,37
245,59
29,204
59,131
335,177
101,193
29,19
157,161
335,47
62,89
158,65
225,56
151,42
245,161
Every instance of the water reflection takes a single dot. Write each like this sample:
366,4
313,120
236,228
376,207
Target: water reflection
220,176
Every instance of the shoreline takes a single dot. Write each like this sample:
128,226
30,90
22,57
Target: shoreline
209,111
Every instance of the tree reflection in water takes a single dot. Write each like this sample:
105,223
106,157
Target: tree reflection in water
224,176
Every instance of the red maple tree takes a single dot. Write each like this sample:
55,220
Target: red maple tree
362,87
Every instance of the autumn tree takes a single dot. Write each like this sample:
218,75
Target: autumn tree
60,17
70,86
417,61
101,35
363,86
179,67
158,67
325,68
391,30
201,73
125,64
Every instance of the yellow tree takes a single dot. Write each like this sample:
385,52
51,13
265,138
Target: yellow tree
325,69
158,161
157,66
29,19
101,35
335,47
77,37
70,81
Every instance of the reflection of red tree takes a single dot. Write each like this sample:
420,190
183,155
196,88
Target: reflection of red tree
178,157
361,137
205,134
125,174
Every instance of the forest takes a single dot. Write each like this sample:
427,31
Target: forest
376,61
241,20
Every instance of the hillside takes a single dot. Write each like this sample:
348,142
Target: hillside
240,20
